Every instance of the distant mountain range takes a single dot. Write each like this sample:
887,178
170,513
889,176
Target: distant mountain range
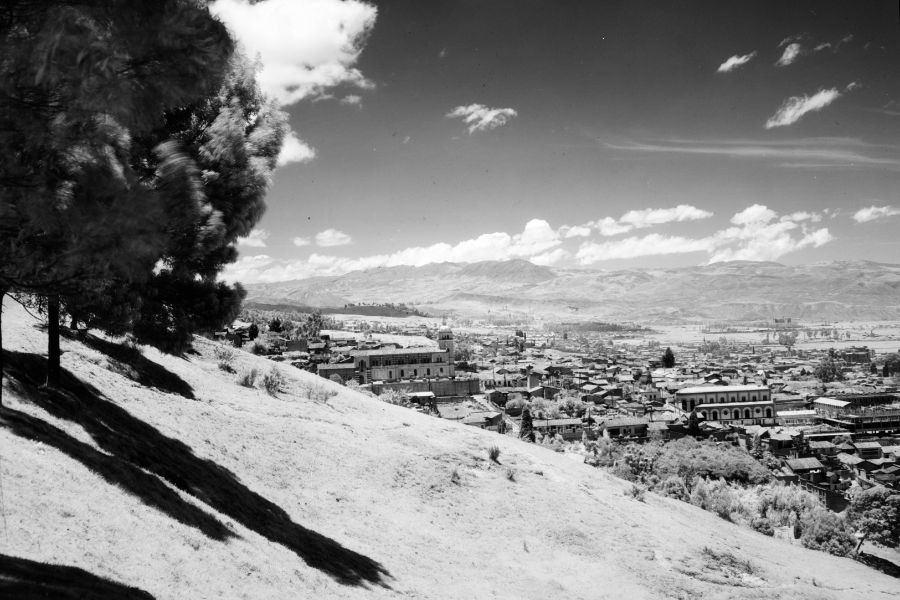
730,291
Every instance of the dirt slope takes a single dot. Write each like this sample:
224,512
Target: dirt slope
200,488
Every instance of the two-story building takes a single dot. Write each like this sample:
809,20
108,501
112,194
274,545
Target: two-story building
729,404
395,364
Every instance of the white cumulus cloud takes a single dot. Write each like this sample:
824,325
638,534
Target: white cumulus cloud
736,62
255,239
649,217
295,150
481,118
302,241
872,213
332,237
305,46
756,233
796,106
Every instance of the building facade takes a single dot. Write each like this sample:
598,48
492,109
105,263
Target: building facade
729,404
395,364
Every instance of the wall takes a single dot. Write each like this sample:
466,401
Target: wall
440,387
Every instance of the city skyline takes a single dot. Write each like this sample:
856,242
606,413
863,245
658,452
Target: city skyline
611,136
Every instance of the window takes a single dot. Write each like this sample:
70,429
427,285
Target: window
758,411
753,398
401,373
733,398
390,374
442,370
415,372
715,415
768,412
746,413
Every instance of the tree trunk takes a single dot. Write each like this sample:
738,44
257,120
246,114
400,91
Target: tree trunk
53,341
3,291
859,544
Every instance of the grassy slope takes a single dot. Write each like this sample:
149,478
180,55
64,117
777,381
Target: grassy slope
372,482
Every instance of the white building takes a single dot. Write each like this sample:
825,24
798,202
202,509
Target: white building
729,404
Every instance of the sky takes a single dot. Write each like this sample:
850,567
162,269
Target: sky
583,134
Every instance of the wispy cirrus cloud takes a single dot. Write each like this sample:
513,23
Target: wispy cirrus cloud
790,55
801,44
793,109
873,213
481,118
819,152
735,62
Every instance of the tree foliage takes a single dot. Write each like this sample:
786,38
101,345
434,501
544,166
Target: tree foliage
668,358
876,515
828,370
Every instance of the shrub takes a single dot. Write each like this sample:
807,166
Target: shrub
259,349
510,474
673,487
224,357
273,381
318,393
494,453
638,492
823,530
454,475
248,378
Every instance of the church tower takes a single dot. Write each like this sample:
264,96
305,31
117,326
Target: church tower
445,340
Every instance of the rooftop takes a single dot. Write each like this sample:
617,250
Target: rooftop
719,389
399,351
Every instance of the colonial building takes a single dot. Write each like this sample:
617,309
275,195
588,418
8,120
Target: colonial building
394,364
729,404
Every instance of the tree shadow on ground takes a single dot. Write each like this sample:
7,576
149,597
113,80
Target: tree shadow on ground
132,364
881,564
25,579
133,446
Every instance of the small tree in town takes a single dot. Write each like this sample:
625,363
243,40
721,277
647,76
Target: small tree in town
668,358
827,370
526,432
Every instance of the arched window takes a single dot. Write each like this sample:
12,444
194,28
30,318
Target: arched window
715,415
390,374
746,413
415,372
428,371
768,412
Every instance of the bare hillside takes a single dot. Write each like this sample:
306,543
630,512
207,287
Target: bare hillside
155,476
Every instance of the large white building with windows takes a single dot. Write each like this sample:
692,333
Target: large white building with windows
394,364
729,404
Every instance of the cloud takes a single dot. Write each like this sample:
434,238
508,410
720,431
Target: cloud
302,241
637,219
481,118
633,247
872,213
352,100
756,233
295,150
796,106
823,152
649,217
735,62
790,55
332,237
538,242
305,46
575,231
255,239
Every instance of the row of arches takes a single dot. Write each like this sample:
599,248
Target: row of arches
737,413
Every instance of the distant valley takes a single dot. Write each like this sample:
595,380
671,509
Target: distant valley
518,289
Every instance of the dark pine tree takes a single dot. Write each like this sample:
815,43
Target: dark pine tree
526,432
668,358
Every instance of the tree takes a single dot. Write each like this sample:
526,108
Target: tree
668,358
875,513
253,331
78,82
526,432
275,325
827,370
787,339
891,364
